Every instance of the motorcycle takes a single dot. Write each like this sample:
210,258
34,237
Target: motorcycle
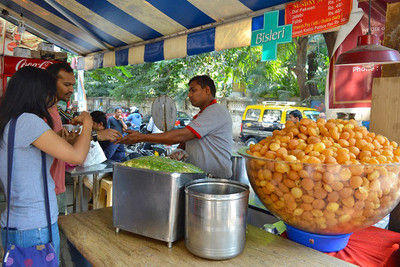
146,149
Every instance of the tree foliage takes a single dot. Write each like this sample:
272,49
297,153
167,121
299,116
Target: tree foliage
278,79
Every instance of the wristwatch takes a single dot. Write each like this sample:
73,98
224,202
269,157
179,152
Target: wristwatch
94,135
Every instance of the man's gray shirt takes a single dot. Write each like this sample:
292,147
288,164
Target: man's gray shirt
211,150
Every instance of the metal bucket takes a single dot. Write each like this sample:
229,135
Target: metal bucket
239,173
215,218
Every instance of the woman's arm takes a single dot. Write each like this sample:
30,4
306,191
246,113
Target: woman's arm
52,144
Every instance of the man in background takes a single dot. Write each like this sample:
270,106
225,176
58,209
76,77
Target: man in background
135,119
64,75
295,116
65,88
116,122
115,152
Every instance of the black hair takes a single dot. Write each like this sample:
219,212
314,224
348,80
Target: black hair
203,81
55,68
30,90
296,114
99,117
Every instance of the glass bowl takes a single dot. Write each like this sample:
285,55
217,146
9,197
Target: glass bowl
324,198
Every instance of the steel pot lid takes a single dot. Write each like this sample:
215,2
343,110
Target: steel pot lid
163,111
217,189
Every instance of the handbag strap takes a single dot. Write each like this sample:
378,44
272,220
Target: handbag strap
10,155
46,195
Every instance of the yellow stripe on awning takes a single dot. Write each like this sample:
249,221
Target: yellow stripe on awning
149,15
109,59
89,62
102,23
175,47
136,55
213,8
235,34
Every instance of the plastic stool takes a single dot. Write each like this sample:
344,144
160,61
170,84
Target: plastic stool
106,192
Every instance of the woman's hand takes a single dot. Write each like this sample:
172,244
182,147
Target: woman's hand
84,118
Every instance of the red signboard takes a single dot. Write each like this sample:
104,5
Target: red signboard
314,16
12,64
9,65
351,86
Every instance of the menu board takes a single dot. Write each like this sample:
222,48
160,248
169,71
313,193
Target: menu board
314,16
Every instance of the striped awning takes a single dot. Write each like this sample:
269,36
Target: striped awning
110,33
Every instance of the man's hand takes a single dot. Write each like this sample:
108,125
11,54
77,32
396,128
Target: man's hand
131,138
179,154
124,127
108,135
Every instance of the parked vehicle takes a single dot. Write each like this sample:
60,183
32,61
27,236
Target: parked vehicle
259,121
182,119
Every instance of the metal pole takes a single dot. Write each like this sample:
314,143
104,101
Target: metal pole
369,18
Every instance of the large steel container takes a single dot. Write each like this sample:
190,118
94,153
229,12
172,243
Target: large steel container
215,218
150,203
239,169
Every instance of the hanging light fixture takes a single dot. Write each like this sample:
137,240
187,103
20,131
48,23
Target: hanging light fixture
368,50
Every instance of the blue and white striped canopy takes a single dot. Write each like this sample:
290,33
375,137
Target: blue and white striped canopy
121,32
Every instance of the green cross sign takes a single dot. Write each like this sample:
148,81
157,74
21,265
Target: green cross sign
271,35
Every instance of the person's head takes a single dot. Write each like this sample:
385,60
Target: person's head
295,116
65,80
321,115
99,120
118,112
134,109
30,90
201,90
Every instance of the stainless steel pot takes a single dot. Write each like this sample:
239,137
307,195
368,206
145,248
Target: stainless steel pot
239,172
215,218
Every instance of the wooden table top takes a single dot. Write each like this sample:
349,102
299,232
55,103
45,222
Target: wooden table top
93,234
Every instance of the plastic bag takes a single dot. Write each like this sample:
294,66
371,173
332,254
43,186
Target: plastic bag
95,156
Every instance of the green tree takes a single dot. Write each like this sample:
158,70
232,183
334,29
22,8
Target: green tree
299,69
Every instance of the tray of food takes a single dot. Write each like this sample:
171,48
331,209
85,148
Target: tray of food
148,196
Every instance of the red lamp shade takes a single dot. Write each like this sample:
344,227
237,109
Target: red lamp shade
368,51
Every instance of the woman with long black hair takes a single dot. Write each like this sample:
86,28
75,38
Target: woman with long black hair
30,93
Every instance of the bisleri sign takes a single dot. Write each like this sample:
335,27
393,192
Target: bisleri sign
271,35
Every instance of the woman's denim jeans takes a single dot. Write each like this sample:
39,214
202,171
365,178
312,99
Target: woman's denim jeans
32,237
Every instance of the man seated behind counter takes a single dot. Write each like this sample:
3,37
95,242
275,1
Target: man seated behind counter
115,152
208,137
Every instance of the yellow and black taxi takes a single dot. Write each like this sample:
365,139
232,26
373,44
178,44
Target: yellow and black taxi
259,121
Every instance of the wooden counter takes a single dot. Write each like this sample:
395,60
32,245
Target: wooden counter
93,234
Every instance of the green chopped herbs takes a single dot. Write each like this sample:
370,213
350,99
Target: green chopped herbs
162,164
